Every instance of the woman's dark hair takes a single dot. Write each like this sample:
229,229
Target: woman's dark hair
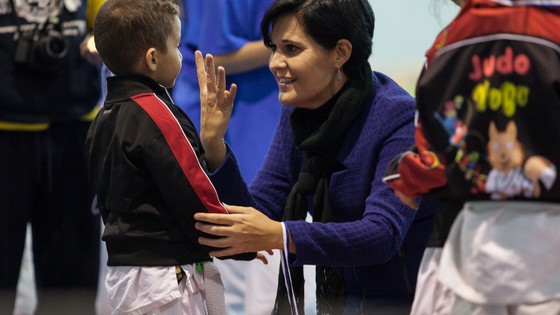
328,21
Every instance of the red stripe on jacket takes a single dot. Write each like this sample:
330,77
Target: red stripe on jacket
182,150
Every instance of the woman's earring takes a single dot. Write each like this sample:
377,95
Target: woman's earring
338,74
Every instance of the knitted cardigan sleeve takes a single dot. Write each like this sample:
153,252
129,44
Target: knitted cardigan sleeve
370,221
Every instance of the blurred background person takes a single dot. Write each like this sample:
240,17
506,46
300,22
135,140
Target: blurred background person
229,30
48,97
487,147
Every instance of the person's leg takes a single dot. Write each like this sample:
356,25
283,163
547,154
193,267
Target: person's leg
309,272
431,297
190,303
26,293
17,177
548,307
464,307
65,232
186,305
261,283
172,308
386,307
233,275
201,293
102,305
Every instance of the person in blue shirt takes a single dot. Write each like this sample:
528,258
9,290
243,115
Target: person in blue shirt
230,31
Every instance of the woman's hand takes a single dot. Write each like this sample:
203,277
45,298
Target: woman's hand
216,104
243,230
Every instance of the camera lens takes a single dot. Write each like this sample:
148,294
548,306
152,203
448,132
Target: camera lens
55,47
51,47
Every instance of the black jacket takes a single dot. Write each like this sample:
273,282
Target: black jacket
144,194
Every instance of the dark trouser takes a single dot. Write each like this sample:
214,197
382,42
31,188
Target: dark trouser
43,180
358,306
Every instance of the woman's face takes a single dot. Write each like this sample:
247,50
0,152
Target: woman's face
304,70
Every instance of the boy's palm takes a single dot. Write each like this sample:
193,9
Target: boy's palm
216,104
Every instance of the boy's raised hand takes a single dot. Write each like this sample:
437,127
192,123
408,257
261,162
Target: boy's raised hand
216,104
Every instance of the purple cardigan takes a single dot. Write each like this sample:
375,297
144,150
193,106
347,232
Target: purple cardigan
368,237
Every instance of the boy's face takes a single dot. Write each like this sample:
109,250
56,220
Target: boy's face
169,65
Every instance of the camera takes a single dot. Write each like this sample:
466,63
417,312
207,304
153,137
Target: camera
41,49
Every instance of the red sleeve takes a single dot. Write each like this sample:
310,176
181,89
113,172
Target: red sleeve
416,172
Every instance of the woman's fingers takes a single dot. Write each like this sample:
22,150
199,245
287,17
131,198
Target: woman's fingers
200,72
210,73
225,97
221,84
222,242
218,230
238,209
262,258
223,219
225,252
227,247
212,83
205,73
215,218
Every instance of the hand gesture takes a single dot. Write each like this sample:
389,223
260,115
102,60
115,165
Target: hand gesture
216,104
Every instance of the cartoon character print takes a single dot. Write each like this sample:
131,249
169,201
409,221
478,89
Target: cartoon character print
511,174
455,128
466,159
470,164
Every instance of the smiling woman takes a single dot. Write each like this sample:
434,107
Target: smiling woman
308,75
340,127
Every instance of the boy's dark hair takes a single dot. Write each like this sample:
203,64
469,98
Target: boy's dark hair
125,29
328,21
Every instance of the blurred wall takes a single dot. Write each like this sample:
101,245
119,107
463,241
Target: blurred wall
404,30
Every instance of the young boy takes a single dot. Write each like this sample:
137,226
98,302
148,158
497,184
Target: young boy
147,166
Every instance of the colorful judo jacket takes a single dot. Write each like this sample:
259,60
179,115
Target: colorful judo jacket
489,107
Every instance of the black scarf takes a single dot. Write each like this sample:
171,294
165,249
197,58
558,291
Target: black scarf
319,134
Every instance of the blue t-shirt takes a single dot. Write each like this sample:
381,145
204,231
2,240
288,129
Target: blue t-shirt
219,27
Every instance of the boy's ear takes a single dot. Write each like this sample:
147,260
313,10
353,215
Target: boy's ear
151,59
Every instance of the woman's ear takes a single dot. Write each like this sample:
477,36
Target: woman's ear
151,59
343,50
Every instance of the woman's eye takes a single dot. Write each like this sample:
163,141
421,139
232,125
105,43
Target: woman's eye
291,48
